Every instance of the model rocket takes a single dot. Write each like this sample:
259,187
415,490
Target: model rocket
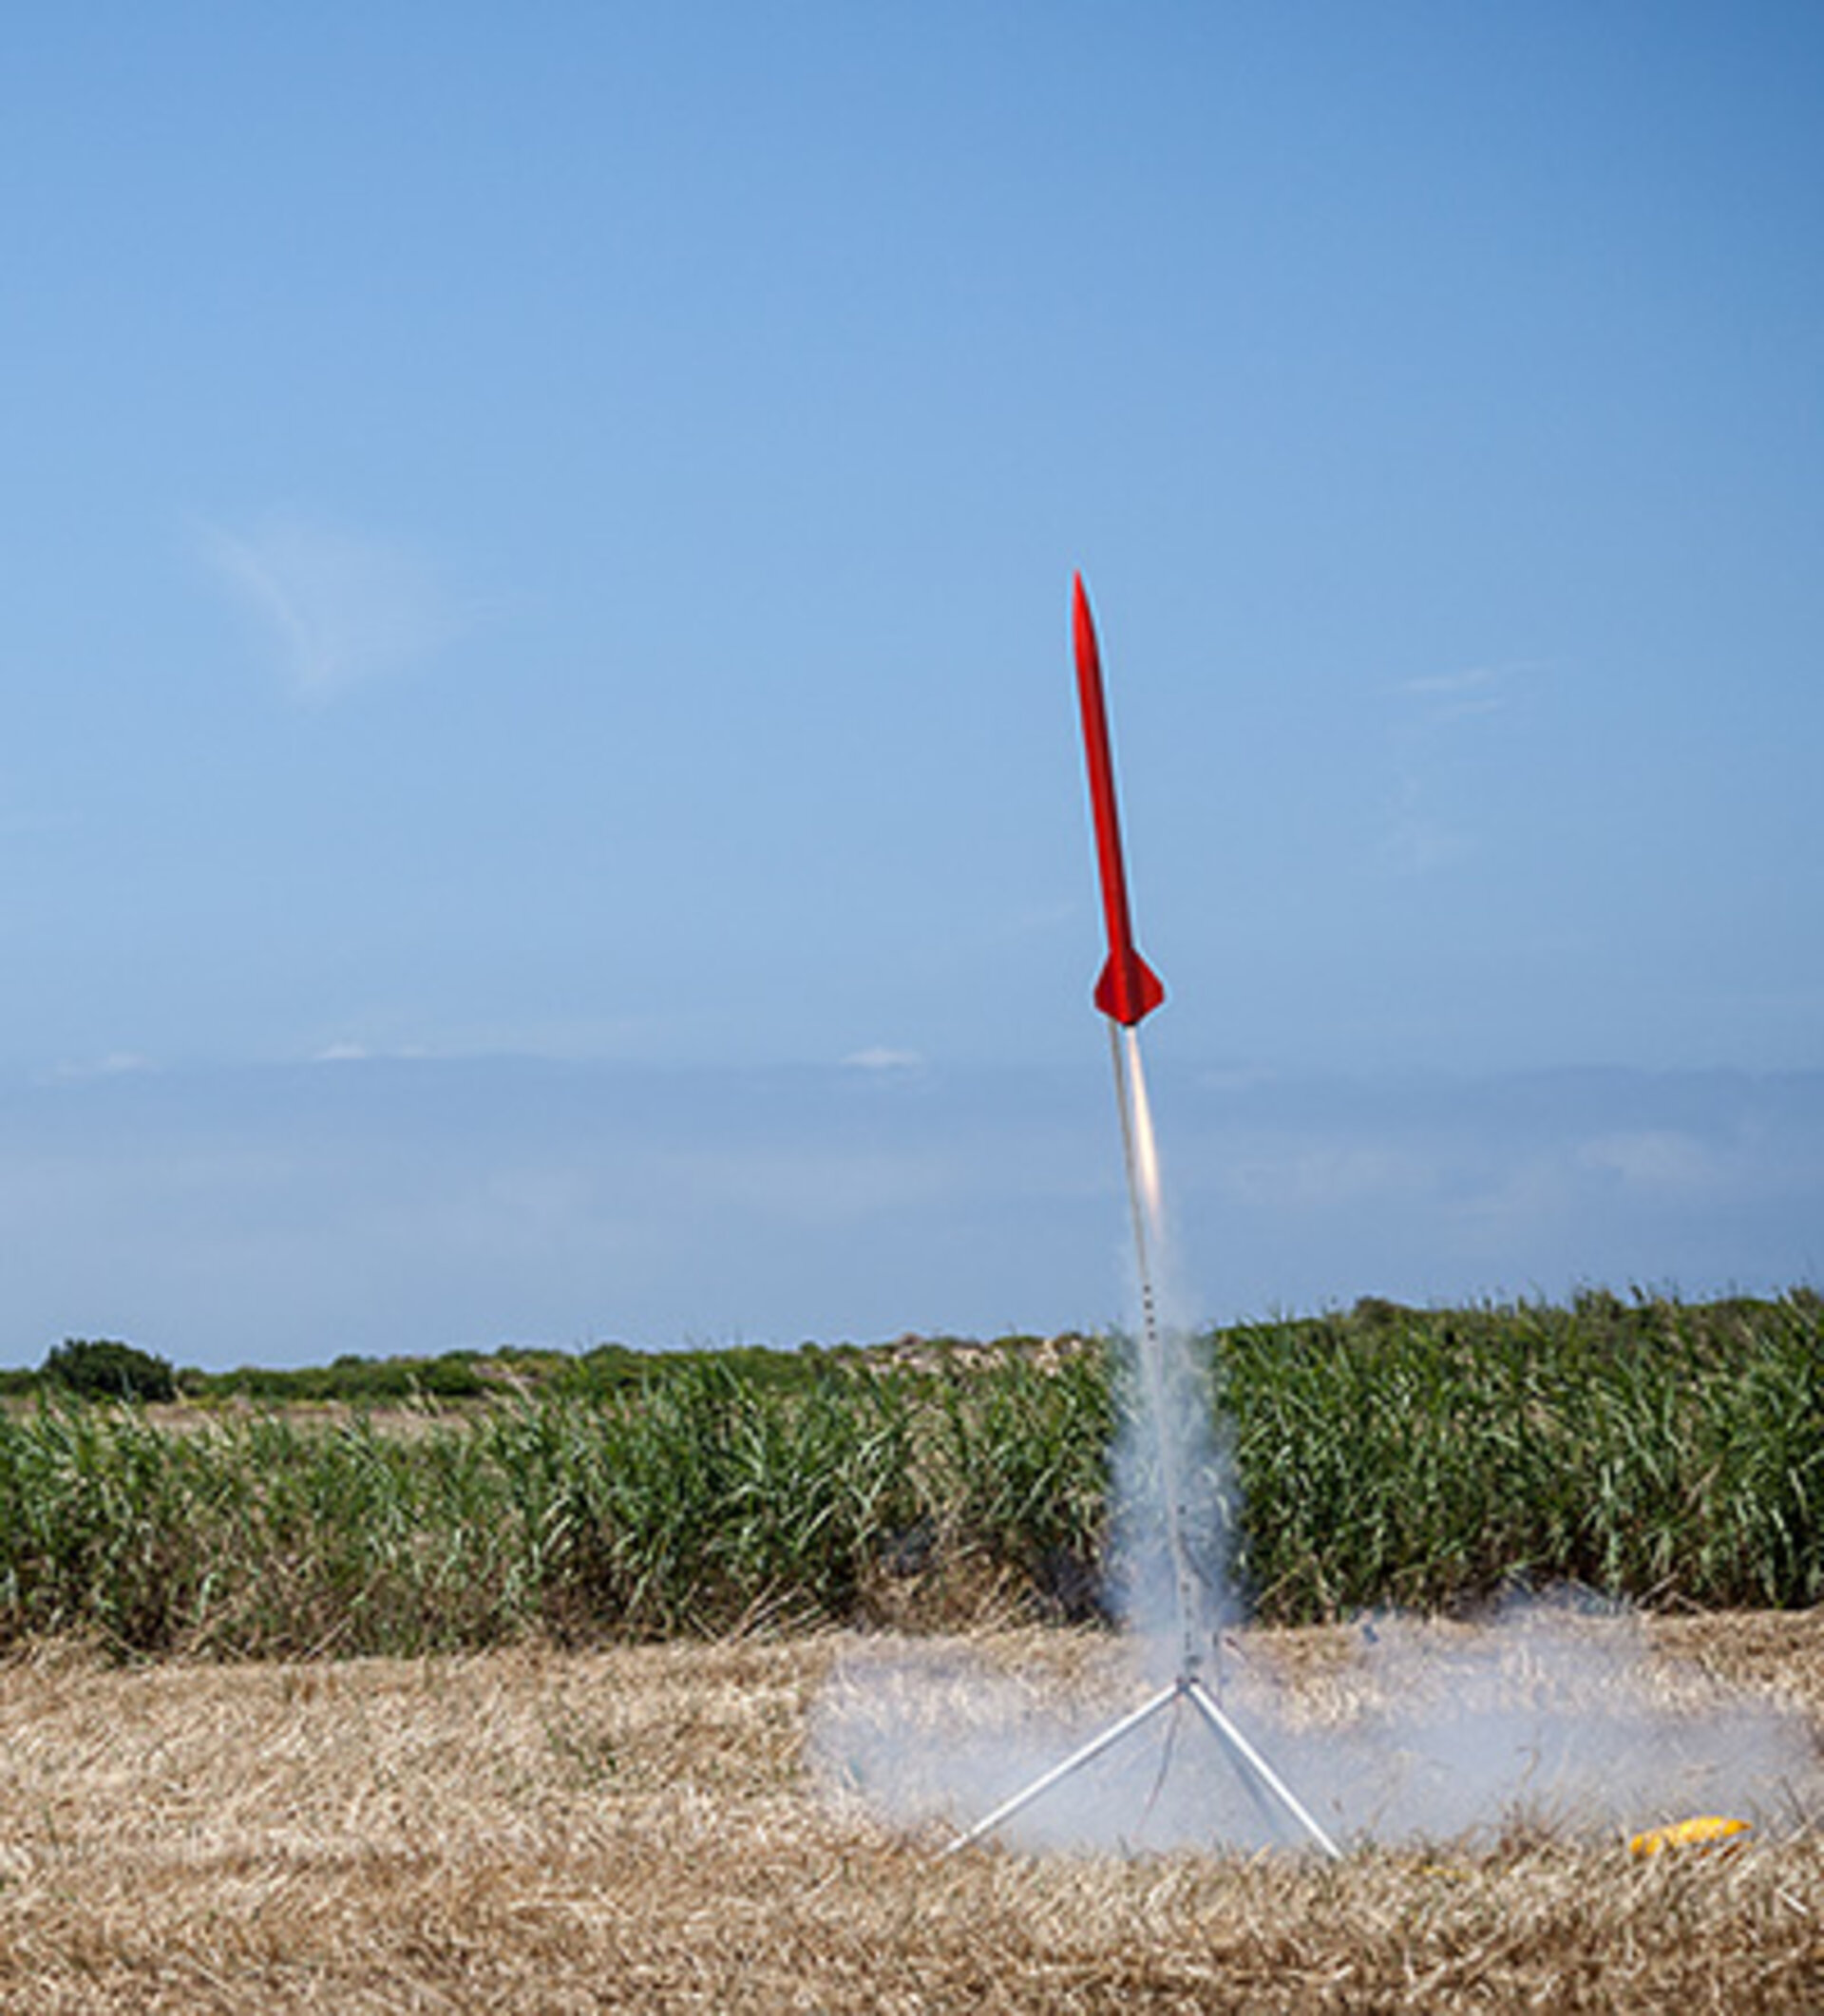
1127,992
1128,989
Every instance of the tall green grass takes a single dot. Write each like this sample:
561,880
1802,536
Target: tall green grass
1657,1450
1669,1452
702,1502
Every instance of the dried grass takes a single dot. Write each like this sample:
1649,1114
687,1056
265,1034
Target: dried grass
531,1829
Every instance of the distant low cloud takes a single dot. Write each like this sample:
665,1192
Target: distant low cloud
353,1053
1655,1158
115,1064
338,608
881,1058
384,1206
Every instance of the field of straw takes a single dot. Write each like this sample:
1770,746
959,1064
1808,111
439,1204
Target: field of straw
639,1828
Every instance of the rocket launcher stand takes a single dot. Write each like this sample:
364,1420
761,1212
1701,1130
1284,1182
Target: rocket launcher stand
1270,1792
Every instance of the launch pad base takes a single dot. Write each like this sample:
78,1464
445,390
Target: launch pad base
1269,1790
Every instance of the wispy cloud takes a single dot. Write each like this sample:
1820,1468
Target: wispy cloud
1476,690
1434,710
1415,839
881,1057
115,1064
338,608
354,1053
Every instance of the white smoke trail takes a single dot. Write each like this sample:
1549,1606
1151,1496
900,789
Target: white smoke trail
1171,1546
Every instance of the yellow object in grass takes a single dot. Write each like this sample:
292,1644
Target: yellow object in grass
1704,1833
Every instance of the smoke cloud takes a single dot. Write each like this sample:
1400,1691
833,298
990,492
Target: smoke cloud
1406,1733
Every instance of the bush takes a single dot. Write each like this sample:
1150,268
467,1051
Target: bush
101,1369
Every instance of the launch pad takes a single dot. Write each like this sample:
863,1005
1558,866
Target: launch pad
1270,1791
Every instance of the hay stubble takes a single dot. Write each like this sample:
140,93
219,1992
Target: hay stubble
532,1830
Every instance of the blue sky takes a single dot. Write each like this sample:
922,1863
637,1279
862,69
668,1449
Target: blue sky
539,796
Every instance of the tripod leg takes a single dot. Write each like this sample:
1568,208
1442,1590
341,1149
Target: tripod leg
1253,1763
1058,1772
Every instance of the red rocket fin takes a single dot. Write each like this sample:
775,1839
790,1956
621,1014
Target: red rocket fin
1128,989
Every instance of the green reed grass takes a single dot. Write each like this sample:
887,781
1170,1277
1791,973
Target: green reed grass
1667,1453
1664,1453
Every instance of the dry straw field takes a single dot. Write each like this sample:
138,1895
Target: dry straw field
637,1828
